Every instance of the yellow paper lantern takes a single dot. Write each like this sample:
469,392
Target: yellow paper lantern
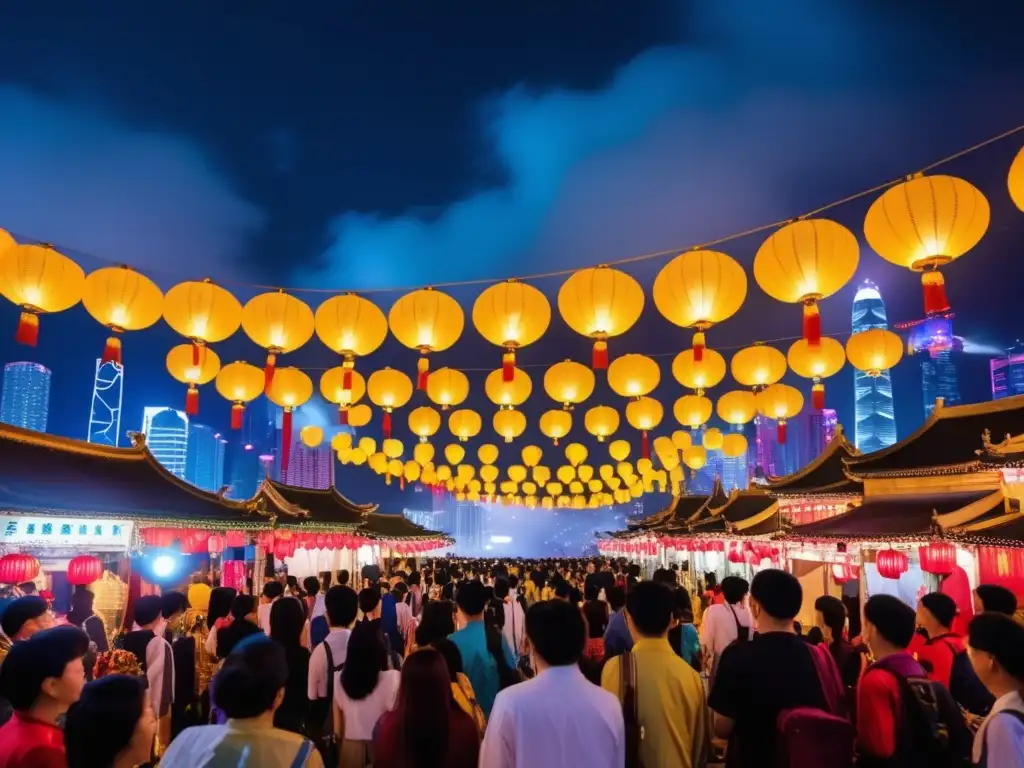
698,375
541,475
804,262
531,455
428,321
388,389
601,421
454,453
311,435
734,445
576,453
289,389
122,300
511,315
619,449
699,289
644,414
758,365
510,424
359,415
358,457
487,453
334,390
392,448
508,394
695,457
341,440
874,351
368,445
569,383
517,473
633,375
464,424
352,327
447,387
692,410
925,223
423,453
202,312
554,489
555,424
40,281
279,323
424,422
182,366
1015,180
737,407
378,462
682,439
239,383
411,472
599,303
780,402
584,472
816,362
565,474
713,439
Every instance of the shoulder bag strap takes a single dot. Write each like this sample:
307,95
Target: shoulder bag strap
330,670
302,756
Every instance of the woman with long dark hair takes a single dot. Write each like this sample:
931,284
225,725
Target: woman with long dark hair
287,621
425,730
365,690
218,615
111,724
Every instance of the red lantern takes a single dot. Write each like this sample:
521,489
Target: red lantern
18,568
216,544
891,564
235,539
158,537
939,558
84,569
321,541
736,553
842,573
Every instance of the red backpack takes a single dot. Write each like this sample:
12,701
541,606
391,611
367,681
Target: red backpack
816,738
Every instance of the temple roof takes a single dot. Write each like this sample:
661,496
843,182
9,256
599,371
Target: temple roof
682,509
46,474
746,513
309,507
946,443
907,517
1002,530
824,476
377,526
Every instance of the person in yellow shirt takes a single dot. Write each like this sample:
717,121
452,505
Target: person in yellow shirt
671,702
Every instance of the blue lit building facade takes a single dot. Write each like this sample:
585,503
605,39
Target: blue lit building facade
204,458
25,399
1008,373
875,416
105,411
932,341
166,431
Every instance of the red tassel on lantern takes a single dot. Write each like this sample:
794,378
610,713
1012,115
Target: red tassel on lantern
112,351
599,357
28,329
386,424
286,439
891,564
192,400
508,365
268,371
818,396
422,371
934,286
343,415
938,557
195,352
645,446
699,345
346,376
237,412
780,431
812,324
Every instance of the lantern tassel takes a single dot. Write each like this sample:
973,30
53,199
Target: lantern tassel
192,401
699,345
818,396
346,376
286,439
935,300
508,365
423,372
386,425
268,371
781,431
812,324
195,352
237,412
112,351
645,446
28,329
599,358
343,415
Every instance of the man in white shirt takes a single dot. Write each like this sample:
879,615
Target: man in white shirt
272,592
341,604
558,718
515,619
725,623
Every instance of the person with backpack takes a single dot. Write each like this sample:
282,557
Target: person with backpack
995,647
327,659
725,623
776,696
904,719
486,657
944,657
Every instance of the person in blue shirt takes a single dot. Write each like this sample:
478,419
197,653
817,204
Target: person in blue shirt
617,639
482,647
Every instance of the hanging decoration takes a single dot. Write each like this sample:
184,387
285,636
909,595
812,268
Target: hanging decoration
289,389
601,421
424,422
18,568
734,445
84,569
938,557
427,321
874,351
122,300
701,374
182,364
350,326
644,414
758,366
816,362
511,315
464,424
692,410
891,563
311,435
555,424
923,224
506,393
633,375
344,387
279,323
569,383
447,387
509,423
240,383
202,312
40,281
599,303
388,389
780,402
699,289
1014,180
737,407
804,262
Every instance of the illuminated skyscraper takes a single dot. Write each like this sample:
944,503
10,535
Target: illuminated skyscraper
166,432
875,417
310,467
204,461
247,471
933,342
105,413
1008,373
25,401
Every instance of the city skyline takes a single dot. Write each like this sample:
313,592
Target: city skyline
874,407
25,396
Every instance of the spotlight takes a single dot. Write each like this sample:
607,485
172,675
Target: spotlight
163,566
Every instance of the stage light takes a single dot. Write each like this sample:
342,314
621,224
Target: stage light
163,566
501,539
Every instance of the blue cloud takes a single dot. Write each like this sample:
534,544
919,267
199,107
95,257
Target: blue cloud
93,185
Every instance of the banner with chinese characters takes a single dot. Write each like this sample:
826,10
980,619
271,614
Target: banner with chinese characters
95,535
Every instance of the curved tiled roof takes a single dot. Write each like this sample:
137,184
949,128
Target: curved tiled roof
825,475
309,507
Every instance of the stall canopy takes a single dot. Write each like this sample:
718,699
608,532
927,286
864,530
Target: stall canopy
310,509
56,476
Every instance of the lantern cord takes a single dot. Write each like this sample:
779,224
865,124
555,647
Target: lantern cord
617,262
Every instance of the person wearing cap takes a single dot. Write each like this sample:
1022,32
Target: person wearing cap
22,618
44,675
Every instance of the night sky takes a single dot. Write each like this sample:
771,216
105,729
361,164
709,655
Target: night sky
375,145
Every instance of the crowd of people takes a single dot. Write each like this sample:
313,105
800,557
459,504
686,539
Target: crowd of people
520,664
